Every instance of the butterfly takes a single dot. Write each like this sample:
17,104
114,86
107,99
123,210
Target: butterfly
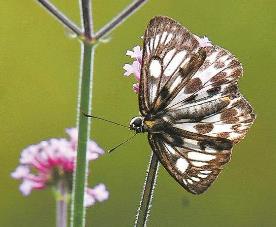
190,104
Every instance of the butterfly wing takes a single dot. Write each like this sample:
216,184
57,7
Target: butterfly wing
192,92
171,55
193,166
214,107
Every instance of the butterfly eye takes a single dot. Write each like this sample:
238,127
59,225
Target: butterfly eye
136,122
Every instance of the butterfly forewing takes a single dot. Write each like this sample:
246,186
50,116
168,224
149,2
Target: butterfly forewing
190,93
168,50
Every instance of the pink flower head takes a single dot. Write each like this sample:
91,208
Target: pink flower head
46,163
203,42
135,67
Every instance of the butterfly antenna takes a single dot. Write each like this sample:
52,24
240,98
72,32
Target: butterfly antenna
100,118
109,151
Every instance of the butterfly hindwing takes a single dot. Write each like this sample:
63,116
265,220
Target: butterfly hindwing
216,77
194,166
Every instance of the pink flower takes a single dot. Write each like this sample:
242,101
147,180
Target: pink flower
136,53
48,162
135,67
97,194
203,42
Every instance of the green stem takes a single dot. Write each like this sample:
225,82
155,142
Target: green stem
85,101
145,203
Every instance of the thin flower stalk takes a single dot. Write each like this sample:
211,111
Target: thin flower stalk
85,101
61,203
143,211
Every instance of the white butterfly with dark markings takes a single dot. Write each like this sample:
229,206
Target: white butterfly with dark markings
190,104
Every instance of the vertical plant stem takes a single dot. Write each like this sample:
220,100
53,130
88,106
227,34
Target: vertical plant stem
85,101
61,205
84,105
147,194
87,18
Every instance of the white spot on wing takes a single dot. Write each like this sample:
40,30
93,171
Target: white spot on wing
190,141
200,157
181,164
190,181
185,182
148,50
169,37
170,149
199,164
155,68
212,118
195,179
163,37
210,150
156,41
153,89
221,128
151,44
187,127
202,175
175,63
175,83
205,171
168,56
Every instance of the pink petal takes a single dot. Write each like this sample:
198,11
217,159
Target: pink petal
100,192
27,186
73,134
89,200
128,69
203,42
136,53
20,172
134,68
96,194
94,151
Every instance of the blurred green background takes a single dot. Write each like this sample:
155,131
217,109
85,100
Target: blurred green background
38,88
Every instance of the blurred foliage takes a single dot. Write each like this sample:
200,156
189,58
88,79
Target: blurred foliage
38,87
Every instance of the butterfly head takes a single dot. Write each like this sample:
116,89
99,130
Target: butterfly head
137,124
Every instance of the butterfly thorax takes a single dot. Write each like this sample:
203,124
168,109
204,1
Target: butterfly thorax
148,124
